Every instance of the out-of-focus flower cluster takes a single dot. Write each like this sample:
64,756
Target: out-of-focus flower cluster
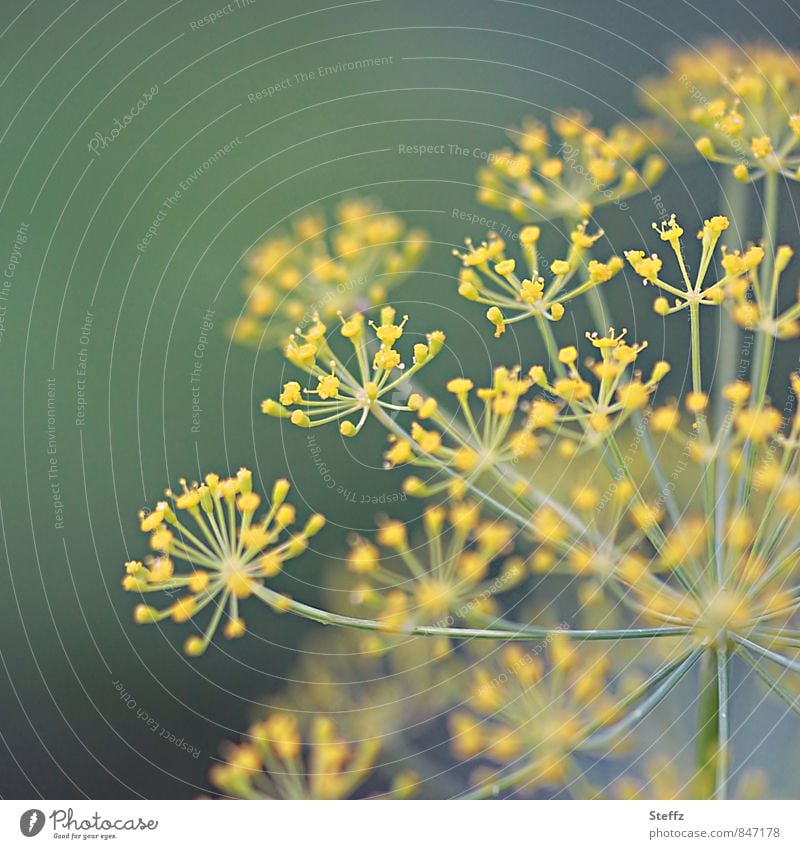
323,267
452,576
568,170
740,104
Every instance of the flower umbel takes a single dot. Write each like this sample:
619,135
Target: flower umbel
490,277
569,170
455,574
535,718
693,292
340,392
213,529
324,267
469,446
740,104
276,763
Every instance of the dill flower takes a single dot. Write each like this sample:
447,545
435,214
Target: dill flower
535,713
751,305
690,292
740,105
465,445
322,267
374,685
490,277
582,409
568,170
276,762
339,392
454,574
212,528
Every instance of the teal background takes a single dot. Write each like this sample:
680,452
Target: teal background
460,73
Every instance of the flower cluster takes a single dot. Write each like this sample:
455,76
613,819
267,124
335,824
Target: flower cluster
752,302
582,410
339,391
470,447
454,575
323,268
533,712
740,104
213,529
590,413
690,292
490,277
753,306
737,579
569,170
276,763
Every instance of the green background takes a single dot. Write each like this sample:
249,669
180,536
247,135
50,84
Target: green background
460,73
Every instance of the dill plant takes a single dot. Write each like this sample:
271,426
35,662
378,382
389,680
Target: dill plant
693,575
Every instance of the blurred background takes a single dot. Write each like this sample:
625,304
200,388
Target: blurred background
102,322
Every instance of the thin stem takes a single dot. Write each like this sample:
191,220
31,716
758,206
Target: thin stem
550,343
764,341
666,679
708,729
768,284
723,756
771,682
735,197
523,632
702,424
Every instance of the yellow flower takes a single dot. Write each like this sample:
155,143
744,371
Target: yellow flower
569,170
448,576
271,764
228,551
725,96
326,267
346,393
565,701
512,297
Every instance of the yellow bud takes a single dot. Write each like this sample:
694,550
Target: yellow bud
568,355
300,419
782,257
705,147
496,317
696,402
143,613
234,628
529,235
194,646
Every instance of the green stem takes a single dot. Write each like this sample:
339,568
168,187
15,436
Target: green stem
735,203
764,341
708,729
523,632
723,750
702,425
552,346
598,309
